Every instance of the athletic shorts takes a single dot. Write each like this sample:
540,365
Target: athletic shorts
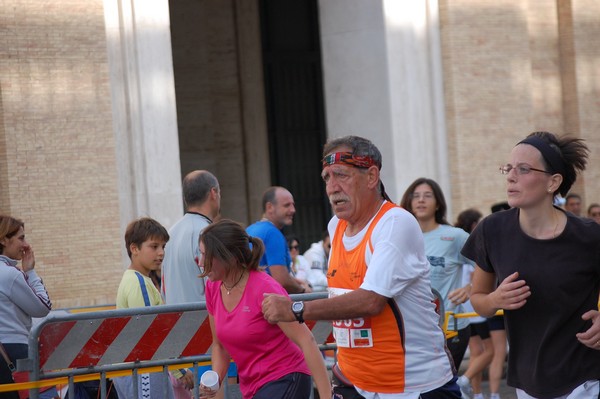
480,329
496,323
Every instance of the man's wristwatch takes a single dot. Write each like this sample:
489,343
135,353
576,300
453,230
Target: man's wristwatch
298,310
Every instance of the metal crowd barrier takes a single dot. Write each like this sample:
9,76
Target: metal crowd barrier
68,347
73,346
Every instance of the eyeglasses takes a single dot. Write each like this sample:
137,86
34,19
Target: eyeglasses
426,196
294,247
521,169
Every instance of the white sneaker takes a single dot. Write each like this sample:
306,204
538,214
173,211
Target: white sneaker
465,387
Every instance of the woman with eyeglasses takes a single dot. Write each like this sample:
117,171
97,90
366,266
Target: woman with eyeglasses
548,264
425,200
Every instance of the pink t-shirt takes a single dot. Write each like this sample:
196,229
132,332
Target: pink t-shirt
262,352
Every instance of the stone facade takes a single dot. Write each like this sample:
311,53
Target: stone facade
511,68
88,136
57,148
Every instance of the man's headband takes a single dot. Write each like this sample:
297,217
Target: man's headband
552,158
348,158
357,161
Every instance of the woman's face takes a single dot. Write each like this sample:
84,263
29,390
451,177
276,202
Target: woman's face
530,189
423,202
218,267
294,249
15,246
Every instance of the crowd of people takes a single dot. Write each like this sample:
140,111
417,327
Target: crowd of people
536,263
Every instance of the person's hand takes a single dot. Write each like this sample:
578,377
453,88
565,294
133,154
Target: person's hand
511,294
591,337
304,284
460,295
187,380
277,308
28,259
206,393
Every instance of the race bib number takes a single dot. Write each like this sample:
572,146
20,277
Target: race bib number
353,333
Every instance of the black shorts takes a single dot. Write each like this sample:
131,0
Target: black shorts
448,391
496,323
480,329
290,386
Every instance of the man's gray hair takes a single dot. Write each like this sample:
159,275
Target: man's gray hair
197,186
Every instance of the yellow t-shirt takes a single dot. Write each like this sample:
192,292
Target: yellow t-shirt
130,295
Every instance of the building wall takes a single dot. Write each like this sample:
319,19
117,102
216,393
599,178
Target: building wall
511,68
585,27
57,149
220,100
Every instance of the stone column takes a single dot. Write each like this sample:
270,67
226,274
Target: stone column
383,80
144,112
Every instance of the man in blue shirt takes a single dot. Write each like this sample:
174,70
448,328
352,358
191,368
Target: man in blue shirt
278,211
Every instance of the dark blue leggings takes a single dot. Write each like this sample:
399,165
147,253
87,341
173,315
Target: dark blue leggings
290,386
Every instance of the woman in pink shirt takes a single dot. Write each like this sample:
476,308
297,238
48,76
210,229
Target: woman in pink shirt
273,360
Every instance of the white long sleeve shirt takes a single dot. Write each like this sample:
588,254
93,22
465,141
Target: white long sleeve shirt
22,296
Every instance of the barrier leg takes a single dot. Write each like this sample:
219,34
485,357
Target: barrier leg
196,390
71,389
166,379
226,386
103,393
134,378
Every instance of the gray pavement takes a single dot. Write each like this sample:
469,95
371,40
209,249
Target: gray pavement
506,392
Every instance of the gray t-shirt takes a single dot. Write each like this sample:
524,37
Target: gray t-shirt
180,281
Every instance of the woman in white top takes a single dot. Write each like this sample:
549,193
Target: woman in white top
22,296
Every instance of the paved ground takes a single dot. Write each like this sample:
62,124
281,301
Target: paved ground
506,392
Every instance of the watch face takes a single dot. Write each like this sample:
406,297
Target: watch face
297,306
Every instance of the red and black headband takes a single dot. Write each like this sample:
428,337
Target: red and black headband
350,159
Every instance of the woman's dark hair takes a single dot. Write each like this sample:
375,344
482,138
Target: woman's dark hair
573,152
9,226
291,238
227,240
440,201
467,219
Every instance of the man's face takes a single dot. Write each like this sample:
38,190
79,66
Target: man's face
281,213
573,205
347,189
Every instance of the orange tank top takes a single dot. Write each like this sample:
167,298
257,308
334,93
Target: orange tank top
371,350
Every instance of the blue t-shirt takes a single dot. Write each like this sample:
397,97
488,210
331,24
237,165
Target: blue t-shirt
276,249
442,247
